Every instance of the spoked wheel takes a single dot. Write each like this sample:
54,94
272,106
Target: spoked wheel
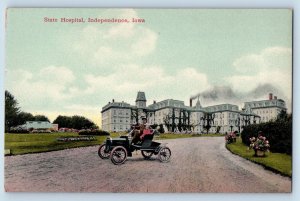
118,155
164,154
102,153
147,154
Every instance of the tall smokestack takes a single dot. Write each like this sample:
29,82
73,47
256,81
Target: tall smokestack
191,102
270,96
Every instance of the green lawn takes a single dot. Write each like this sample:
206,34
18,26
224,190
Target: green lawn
281,163
42,142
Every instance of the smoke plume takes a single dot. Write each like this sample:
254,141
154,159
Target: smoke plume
225,94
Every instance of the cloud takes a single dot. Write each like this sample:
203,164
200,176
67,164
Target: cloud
253,77
271,66
128,79
116,42
38,89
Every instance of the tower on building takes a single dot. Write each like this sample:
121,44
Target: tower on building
140,101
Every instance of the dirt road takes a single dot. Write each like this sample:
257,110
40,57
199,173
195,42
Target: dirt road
197,165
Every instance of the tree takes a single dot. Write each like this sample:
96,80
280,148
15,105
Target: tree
76,122
63,121
41,118
80,122
23,117
282,115
11,111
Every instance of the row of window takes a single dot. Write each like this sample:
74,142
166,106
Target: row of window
120,112
260,112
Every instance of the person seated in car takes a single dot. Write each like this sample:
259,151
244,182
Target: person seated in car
139,132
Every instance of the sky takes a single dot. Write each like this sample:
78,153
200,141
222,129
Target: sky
225,56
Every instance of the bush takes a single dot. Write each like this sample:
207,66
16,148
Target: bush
279,134
93,132
230,138
19,131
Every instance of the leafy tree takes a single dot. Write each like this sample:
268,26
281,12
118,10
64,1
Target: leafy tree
76,122
11,111
41,118
80,122
63,121
23,117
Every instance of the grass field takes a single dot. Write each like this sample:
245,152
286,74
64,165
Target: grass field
34,143
43,142
280,163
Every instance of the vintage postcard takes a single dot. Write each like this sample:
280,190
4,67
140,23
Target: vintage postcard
148,100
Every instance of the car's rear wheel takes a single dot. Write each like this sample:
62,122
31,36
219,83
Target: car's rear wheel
164,154
147,154
101,152
118,155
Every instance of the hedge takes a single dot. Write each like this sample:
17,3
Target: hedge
279,134
19,131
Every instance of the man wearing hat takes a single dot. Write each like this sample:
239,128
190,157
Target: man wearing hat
139,132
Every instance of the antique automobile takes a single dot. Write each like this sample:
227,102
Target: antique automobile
118,149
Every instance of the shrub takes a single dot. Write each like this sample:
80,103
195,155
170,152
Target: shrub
278,132
230,138
18,130
261,143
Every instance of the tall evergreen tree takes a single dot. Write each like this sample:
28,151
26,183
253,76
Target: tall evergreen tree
11,111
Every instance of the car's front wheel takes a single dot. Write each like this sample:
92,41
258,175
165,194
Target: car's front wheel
118,155
101,152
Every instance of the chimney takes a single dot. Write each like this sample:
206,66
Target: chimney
113,100
275,97
154,101
191,102
270,96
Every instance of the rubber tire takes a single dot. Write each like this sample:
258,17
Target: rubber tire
113,153
147,156
161,158
106,156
